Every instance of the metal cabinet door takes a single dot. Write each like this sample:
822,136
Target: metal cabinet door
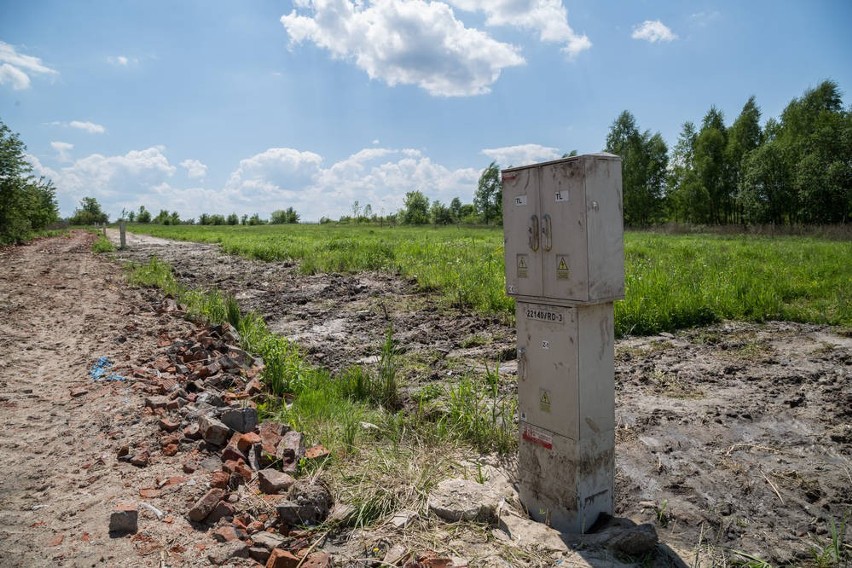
522,232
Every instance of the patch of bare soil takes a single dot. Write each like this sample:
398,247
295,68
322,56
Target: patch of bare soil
731,437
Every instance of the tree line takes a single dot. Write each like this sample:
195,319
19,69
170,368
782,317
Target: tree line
796,169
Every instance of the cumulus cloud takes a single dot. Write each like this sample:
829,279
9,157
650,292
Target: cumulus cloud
194,168
276,178
521,155
411,42
548,17
653,31
16,68
62,148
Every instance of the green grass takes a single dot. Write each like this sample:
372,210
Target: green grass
385,456
102,245
672,281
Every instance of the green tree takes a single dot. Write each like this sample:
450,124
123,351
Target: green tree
89,213
26,204
282,216
416,209
685,195
440,213
144,215
766,193
744,137
233,219
644,162
455,209
488,198
713,170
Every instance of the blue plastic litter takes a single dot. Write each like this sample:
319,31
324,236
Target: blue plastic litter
99,370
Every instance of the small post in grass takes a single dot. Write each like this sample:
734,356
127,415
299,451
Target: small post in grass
122,227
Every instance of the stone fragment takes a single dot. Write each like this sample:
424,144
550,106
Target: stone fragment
290,450
462,499
232,453
213,431
192,432
246,441
309,503
204,506
155,402
219,479
124,518
170,450
317,560
402,519
253,387
228,533
259,554
223,553
282,559
274,482
78,392
526,532
240,419
169,425
316,452
223,510
208,397
140,458
267,540
270,435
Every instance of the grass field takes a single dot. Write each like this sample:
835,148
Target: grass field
672,281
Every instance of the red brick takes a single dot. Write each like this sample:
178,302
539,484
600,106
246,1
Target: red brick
318,560
170,450
204,506
219,479
282,559
169,425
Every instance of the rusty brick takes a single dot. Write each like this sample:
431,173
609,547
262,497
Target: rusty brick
282,559
204,506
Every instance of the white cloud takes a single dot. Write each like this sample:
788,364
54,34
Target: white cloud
521,155
276,178
653,31
16,68
194,168
62,148
408,42
548,17
89,127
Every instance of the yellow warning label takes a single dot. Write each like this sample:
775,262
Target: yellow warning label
561,268
522,266
544,400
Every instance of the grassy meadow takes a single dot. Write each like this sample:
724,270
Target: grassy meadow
672,281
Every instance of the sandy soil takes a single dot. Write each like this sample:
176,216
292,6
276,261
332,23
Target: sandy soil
733,437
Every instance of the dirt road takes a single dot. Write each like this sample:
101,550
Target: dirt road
61,308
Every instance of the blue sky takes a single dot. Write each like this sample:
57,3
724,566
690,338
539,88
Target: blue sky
251,106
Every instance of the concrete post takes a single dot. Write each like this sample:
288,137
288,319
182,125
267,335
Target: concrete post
122,228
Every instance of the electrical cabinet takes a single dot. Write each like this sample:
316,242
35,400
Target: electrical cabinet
564,253
563,226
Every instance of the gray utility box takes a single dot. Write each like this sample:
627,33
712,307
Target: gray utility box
563,224
566,404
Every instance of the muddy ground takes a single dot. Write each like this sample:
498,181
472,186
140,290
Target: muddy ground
731,437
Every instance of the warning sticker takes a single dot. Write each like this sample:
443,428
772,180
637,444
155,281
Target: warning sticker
521,201
537,436
544,400
522,266
561,268
561,196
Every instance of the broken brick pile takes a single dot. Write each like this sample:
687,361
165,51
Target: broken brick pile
203,392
